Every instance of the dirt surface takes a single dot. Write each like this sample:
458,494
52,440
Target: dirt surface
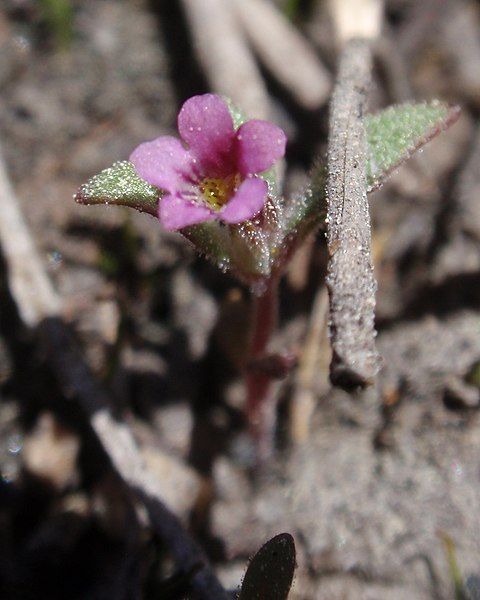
385,474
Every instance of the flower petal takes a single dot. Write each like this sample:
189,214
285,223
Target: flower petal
163,162
205,123
175,213
247,202
259,144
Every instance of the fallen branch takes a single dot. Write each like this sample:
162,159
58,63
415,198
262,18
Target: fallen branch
350,279
39,307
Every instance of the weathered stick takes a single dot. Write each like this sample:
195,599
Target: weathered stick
28,282
350,279
285,52
39,306
309,371
224,54
356,19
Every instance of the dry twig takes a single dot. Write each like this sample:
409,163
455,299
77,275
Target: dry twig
350,280
285,52
225,56
39,307
29,284
356,18
304,397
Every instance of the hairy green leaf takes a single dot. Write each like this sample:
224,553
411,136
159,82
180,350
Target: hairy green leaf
309,205
394,134
211,239
120,185
250,249
238,116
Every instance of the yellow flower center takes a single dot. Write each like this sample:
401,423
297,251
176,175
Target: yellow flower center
217,192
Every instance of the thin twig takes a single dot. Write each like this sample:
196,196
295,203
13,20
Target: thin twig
299,265
356,19
284,51
28,282
227,60
39,306
224,54
304,397
350,279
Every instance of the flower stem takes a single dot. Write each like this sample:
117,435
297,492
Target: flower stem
259,402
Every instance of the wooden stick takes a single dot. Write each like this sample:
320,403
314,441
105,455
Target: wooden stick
350,279
28,281
303,396
224,54
356,19
285,52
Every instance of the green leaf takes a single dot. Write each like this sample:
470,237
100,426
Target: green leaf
394,134
240,249
212,240
250,251
270,573
120,185
303,213
238,116
309,205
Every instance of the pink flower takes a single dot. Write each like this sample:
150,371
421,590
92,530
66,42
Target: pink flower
215,176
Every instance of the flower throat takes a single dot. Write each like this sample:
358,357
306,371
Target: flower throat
218,191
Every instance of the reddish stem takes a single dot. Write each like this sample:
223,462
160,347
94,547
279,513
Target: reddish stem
259,403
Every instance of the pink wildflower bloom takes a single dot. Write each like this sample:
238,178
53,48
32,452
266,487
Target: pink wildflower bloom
214,177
